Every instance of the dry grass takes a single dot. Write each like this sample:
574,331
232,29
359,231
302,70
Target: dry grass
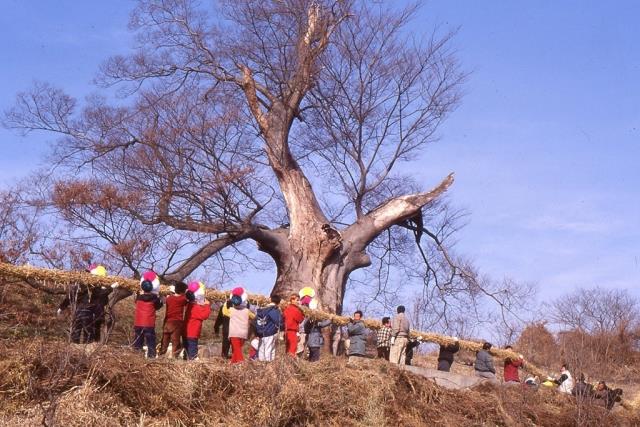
44,380
110,386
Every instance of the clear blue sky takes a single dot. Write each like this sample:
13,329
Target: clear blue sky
545,145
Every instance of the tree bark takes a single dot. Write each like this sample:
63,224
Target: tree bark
324,260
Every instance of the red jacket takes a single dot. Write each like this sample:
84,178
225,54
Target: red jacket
194,316
511,370
146,306
175,307
293,316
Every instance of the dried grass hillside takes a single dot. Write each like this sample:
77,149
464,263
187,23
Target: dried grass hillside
45,381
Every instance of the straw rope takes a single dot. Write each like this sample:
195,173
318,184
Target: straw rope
62,277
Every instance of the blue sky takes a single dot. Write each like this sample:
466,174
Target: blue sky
545,145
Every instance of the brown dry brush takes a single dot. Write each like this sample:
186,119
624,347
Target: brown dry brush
60,277
111,386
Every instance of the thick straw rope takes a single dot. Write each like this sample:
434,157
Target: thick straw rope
61,277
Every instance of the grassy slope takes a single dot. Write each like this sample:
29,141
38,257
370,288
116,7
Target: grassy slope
43,378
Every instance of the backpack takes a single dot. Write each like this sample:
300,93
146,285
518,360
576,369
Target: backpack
265,327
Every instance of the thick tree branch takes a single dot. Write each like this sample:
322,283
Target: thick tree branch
392,212
201,255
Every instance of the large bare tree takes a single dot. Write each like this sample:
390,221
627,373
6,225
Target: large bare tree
335,92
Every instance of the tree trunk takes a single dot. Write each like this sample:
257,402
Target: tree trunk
321,257
308,268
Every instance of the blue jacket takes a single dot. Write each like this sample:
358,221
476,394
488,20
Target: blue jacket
314,332
273,318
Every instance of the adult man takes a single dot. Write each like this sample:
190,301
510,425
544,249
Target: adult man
484,363
268,323
408,353
608,395
445,357
357,335
88,305
399,337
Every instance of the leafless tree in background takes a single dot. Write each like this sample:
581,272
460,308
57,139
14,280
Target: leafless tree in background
232,120
598,329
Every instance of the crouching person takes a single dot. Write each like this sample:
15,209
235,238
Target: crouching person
608,395
147,303
484,363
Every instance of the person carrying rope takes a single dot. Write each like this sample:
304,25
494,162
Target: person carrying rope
400,329
511,368
147,303
383,339
239,322
445,356
89,308
173,325
198,310
484,363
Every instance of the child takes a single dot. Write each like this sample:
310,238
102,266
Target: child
222,321
147,303
198,310
253,349
293,317
268,323
239,320
89,304
315,340
173,326
383,339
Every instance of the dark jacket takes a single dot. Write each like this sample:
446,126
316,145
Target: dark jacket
78,294
314,332
357,336
484,362
408,355
100,295
222,321
582,389
82,295
447,352
610,396
271,316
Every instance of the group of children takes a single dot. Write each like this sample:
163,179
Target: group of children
187,309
